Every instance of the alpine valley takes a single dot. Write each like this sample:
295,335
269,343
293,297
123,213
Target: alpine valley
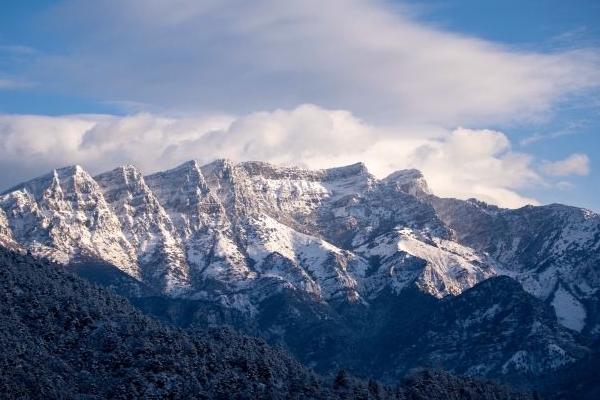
343,270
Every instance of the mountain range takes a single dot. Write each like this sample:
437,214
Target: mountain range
344,270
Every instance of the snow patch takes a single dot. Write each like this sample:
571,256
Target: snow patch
570,312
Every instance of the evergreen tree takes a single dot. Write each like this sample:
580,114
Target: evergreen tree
341,380
374,389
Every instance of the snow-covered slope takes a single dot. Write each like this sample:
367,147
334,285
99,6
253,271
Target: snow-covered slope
438,266
238,232
148,229
553,250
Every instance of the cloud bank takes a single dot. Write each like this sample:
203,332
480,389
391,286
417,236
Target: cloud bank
411,82
366,56
460,163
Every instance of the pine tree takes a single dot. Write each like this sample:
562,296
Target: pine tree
341,380
374,389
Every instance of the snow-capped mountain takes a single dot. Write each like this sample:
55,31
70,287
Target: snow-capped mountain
221,231
342,268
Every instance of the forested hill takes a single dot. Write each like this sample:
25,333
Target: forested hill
64,338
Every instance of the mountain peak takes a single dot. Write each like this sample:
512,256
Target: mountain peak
126,177
70,169
51,180
358,168
128,168
188,174
219,164
123,173
410,181
410,173
186,166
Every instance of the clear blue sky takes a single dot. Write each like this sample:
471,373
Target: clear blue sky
70,57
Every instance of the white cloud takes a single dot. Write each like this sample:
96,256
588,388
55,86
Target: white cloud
461,163
477,163
575,164
241,56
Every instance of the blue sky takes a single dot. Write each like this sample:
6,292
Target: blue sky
520,80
